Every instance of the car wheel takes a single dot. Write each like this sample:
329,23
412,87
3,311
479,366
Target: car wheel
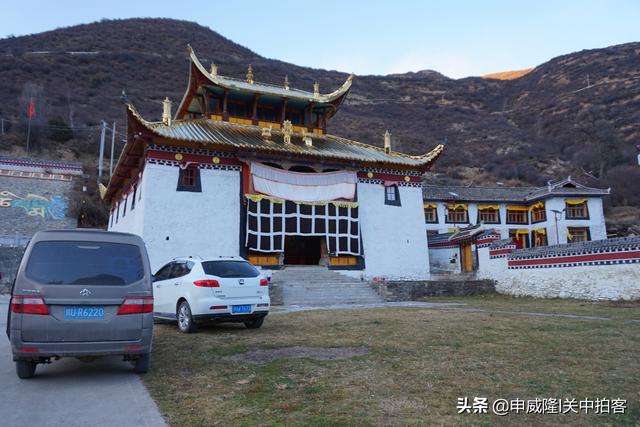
254,324
25,369
143,363
185,318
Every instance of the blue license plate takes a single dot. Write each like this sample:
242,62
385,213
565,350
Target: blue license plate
237,309
83,312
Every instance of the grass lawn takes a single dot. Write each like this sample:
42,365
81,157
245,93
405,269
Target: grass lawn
417,363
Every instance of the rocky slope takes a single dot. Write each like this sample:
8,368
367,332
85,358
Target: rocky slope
577,114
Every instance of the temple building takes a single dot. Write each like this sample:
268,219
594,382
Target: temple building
249,169
457,217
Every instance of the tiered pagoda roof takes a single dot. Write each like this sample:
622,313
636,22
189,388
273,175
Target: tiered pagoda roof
262,140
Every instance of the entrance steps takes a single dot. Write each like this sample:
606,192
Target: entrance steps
311,285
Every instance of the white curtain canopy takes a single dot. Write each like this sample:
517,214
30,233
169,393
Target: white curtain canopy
303,187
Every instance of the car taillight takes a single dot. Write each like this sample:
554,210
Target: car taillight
136,305
207,283
28,305
264,282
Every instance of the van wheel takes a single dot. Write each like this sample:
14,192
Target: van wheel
143,363
254,324
185,318
25,369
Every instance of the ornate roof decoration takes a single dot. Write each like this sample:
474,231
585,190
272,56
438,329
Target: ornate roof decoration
239,137
269,89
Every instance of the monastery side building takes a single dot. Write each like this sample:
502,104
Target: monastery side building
248,169
560,212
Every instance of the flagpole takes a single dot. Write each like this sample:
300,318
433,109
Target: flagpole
29,126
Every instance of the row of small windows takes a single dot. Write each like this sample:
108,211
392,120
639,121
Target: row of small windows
115,214
458,214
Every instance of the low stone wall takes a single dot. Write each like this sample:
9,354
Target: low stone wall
598,270
413,290
10,257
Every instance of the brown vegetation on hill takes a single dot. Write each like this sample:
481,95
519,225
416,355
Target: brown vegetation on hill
577,114
508,75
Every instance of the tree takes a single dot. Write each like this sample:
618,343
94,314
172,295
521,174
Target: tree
59,131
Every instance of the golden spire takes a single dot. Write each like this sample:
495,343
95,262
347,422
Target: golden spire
286,81
214,69
316,88
250,74
166,111
387,142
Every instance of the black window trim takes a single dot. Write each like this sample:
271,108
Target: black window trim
196,187
395,202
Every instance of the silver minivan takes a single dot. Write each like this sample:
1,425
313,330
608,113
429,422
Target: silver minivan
81,293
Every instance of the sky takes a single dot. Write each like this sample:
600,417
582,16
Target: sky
457,38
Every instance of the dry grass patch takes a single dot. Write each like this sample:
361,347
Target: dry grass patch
418,362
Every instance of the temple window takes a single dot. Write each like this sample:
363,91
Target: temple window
133,199
538,212
111,218
124,208
391,195
117,212
294,116
539,237
578,234
576,209
489,214
517,215
520,237
430,213
267,114
189,179
238,109
457,214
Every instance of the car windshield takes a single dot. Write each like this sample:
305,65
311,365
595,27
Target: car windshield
226,269
85,263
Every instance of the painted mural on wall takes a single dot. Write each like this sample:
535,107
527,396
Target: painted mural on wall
36,206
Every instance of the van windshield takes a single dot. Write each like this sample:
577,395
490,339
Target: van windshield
85,263
230,269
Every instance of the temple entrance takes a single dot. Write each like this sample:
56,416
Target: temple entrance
302,250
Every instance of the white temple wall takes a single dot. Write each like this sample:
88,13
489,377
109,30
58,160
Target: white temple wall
394,241
182,223
600,281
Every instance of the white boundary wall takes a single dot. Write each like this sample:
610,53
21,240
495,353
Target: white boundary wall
617,278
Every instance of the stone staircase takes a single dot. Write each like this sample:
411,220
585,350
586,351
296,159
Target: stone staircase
319,286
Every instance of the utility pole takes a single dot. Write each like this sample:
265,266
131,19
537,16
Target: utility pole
113,142
101,158
29,126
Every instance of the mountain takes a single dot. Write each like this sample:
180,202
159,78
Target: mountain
577,114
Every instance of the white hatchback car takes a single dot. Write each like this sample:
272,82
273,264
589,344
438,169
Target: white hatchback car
193,290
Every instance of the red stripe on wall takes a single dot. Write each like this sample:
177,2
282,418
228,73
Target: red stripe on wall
577,258
500,251
389,177
192,158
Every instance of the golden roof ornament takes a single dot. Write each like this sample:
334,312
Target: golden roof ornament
387,142
286,81
287,129
166,111
250,74
316,88
214,69
266,132
307,138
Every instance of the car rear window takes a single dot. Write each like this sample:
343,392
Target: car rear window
85,263
230,269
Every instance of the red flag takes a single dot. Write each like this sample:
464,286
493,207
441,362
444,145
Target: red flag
32,109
